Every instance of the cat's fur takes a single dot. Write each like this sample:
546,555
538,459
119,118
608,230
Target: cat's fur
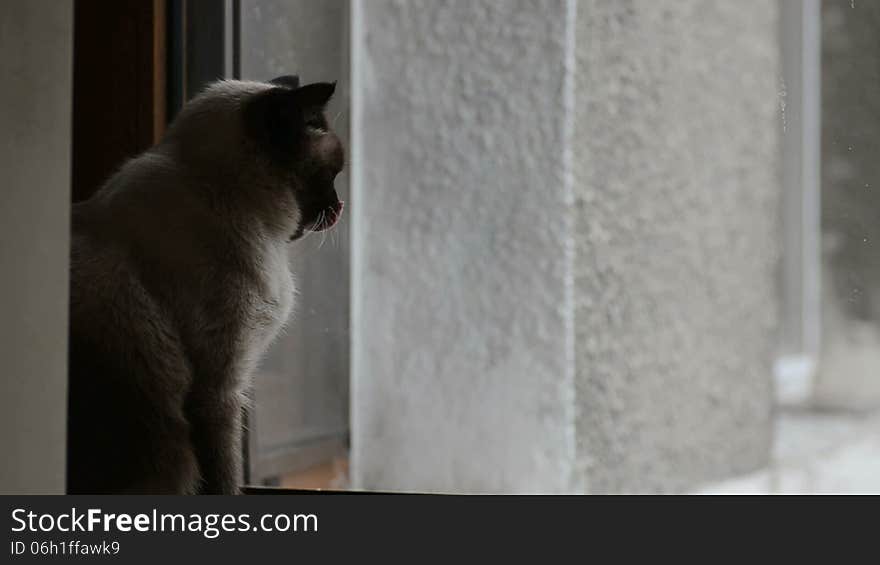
179,282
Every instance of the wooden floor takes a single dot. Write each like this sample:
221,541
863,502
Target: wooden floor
332,475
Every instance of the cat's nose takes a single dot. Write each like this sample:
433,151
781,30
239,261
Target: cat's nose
336,212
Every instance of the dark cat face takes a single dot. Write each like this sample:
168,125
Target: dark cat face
288,124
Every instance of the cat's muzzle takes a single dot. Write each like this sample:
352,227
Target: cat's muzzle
330,217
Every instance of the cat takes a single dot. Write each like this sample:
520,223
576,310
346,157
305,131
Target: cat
179,282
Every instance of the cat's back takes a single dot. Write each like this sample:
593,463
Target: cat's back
96,259
126,366
110,304
104,281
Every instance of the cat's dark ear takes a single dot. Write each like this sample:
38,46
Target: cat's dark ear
273,118
315,95
290,81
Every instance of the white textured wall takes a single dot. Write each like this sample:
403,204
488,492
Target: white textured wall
678,235
507,340
462,377
36,43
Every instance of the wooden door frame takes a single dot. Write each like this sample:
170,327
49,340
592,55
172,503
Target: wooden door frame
119,86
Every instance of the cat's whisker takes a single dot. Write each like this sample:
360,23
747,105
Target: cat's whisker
317,222
323,234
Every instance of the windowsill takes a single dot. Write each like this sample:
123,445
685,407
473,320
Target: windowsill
816,452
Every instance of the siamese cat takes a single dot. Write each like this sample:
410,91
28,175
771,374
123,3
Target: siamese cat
180,281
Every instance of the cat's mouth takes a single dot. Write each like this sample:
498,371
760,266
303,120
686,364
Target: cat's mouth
328,217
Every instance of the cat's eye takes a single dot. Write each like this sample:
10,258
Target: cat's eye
317,124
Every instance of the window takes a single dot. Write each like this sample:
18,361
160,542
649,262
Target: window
588,246
136,65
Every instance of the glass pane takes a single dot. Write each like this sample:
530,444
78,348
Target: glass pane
301,389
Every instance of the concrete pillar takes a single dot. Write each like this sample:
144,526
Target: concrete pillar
564,243
463,376
36,46
676,156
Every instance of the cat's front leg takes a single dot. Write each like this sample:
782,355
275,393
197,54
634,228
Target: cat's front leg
216,419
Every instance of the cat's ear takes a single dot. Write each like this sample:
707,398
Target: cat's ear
315,95
273,118
290,81
276,117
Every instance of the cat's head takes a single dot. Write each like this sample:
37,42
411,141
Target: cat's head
274,146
